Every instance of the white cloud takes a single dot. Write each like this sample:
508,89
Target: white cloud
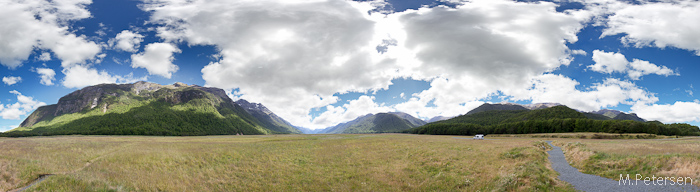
421,108
578,52
669,113
291,55
479,49
46,75
157,59
23,106
609,62
127,41
294,55
45,56
353,109
11,80
660,24
41,24
560,89
80,76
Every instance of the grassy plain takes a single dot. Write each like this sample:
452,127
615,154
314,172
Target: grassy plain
381,162
668,157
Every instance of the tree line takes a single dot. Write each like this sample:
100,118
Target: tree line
558,126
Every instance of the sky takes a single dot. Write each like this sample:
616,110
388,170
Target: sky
317,63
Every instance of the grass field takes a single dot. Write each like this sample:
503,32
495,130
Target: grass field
383,162
670,157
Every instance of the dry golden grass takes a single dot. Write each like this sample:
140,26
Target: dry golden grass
386,162
609,158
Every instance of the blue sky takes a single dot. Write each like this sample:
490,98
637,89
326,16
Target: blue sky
316,62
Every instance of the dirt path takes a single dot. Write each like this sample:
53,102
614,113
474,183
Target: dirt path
44,176
586,182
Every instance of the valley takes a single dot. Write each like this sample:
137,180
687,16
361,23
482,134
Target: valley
336,162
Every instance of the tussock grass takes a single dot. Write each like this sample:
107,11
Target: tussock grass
386,162
659,157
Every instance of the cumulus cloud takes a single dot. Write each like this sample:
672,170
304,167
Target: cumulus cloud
23,106
46,75
45,56
11,80
481,48
421,107
291,55
126,41
294,55
347,112
561,89
80,76
669,113
578,52
609,62
41,24
157,59
659,24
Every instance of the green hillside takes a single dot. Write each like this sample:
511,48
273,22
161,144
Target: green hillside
493,117
556,119
496,107
633,117
141,109
596,116
485,117
556,112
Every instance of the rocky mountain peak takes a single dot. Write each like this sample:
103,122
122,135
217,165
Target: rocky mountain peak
142,85
540,105
180,84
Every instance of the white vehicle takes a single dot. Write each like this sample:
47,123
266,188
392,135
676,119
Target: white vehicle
479,136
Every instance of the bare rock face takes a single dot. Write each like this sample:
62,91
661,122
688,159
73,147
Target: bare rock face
142,85
76,101
250,107
178,84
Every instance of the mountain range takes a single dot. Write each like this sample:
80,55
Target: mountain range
376,123
516,119
267,118
603,114
144,108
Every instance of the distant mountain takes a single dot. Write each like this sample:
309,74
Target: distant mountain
267,118
603,114
310,131
501,107
142,108
618,115
540,105
377,123
409,118
493,117
608,112
631,116
556,119
438,118
595,116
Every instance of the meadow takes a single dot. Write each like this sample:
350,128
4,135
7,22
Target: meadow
379,162
666,157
